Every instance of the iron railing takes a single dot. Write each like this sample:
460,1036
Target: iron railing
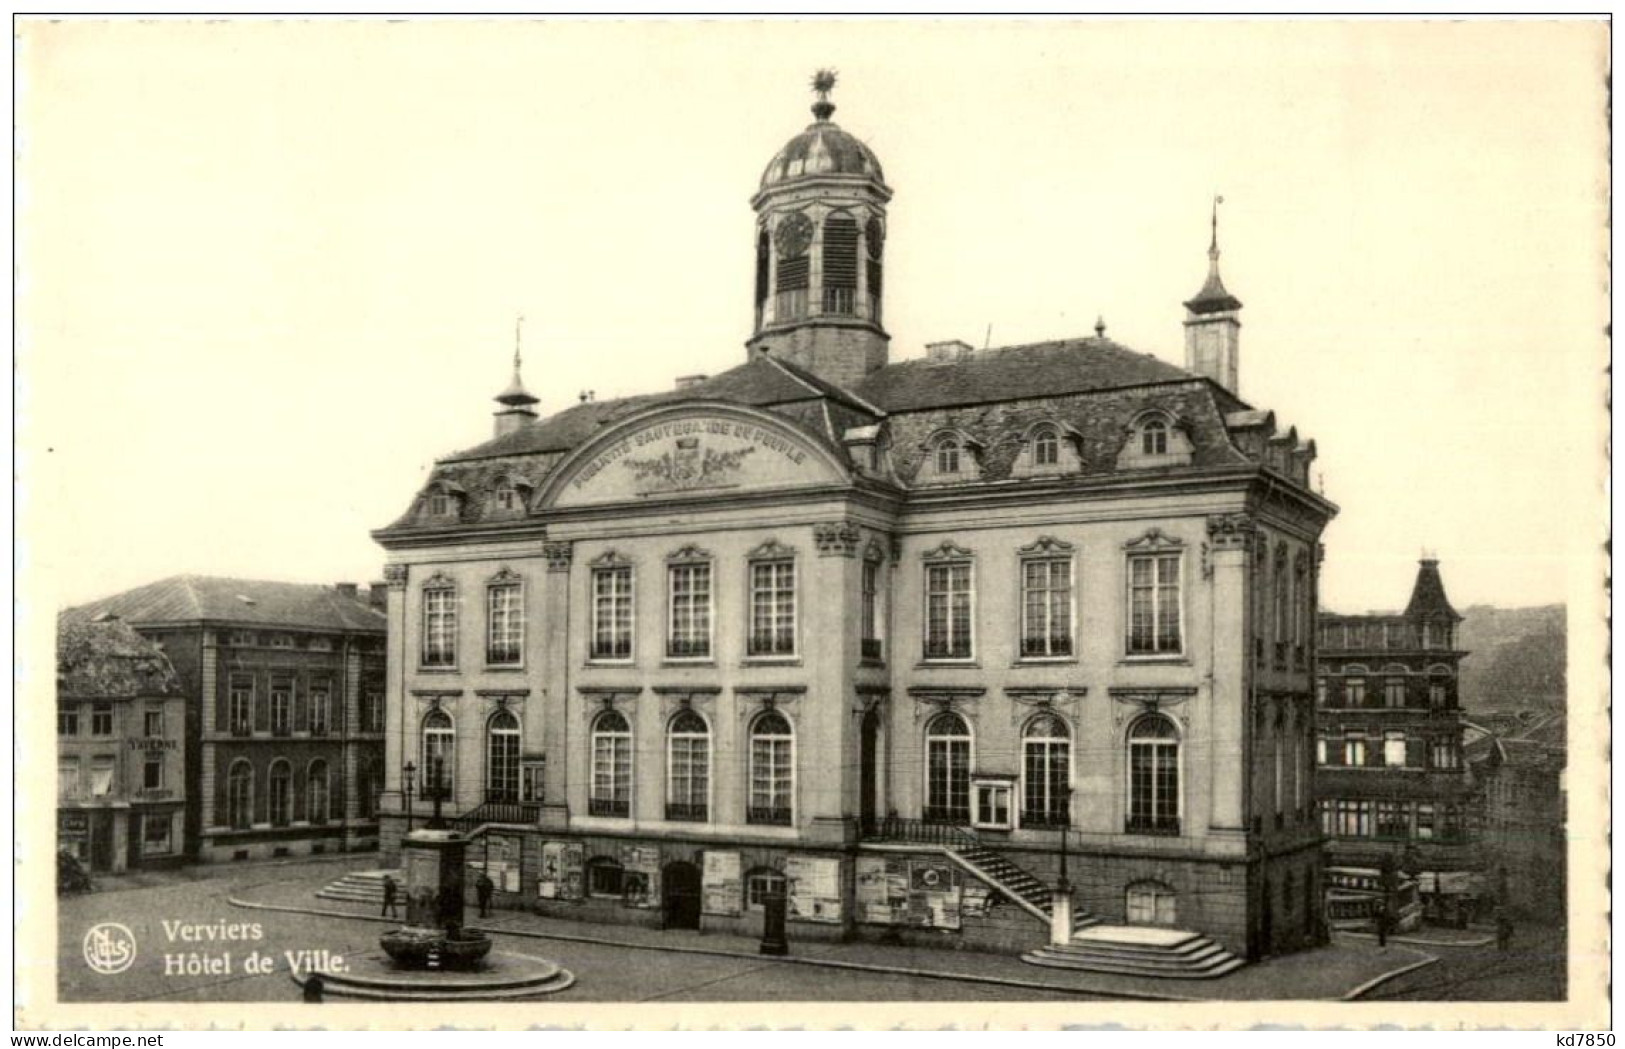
920,832
518,812
692,813
776,816
1166,826
609,807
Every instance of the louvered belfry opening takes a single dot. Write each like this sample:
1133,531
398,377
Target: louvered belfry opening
874,287
840,265
763,247
795,276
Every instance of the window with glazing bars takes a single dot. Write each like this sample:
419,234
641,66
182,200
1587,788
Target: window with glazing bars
690,636
281,708
688,765
772,608
611,766
947,780
612,612
871,610
1046,772
316,792
948,611
320,710
505,624
1046,607
280,794
439,627
1153,604
1153,778
240,707
502,757
771,754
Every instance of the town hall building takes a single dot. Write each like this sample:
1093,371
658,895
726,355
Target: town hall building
924,643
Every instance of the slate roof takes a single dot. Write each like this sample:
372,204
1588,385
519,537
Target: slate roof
822,149
251,602
1428,597
1040,369
109,660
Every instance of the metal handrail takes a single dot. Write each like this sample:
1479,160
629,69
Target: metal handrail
918,831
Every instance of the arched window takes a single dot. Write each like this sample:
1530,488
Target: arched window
1152,903
688,767
840,264
1154,437
439,770
763,250
611,766
1046,446
947,452
947,769
316,792
1046,772
279,793
502,757
1153,776
772,763
240,795
366,788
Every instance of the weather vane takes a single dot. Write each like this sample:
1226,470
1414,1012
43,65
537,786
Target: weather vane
1217,200
823,82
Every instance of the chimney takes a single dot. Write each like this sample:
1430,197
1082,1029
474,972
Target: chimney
346,590
685,382
378,595
948,351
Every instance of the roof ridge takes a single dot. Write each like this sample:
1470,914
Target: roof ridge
822,387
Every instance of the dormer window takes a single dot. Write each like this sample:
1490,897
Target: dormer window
1046,446
439,504
507,498
948,455
1154,437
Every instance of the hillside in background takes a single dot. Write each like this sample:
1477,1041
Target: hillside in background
1518,659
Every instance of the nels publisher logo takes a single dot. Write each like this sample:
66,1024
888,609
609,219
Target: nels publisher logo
109,948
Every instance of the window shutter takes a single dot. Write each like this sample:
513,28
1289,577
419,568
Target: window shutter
840,253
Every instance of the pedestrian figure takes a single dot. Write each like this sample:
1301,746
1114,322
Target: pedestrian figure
1382,925
483,889
1503,932
390,889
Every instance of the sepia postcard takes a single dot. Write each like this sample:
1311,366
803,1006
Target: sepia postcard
662,523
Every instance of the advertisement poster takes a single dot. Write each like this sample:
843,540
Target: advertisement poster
562,863
815,888
897,890
503,864
641,882
723,884
876,875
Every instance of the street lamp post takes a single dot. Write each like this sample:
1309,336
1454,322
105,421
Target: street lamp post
407,775
439,770
1060,929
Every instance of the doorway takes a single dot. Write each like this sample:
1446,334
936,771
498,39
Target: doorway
868,748
101,842
680,884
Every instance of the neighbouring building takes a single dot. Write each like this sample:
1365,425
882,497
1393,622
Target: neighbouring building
281,736
1520,774
120,764
898,637
1390,749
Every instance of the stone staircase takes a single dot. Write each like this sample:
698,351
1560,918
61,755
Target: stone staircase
1139,950
359,887
1019,885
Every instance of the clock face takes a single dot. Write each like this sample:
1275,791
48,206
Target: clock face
875,234
795,235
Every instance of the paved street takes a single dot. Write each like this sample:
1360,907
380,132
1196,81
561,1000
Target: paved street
156,907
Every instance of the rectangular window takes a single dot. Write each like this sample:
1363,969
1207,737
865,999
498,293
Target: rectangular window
321,709
689,778
281,708
772,609
690,612
440,627
67,779
1153,598
871,611
611,775
1424,820
67,721
372,712
770,782
101,777
612,612
505,625
240,706
1320,691
1438,698
1392,820
1046,607
1445,754
101,719
152,772
1320,752
992,806
1354,819
948,602
155,834
1393,693
1354,751
1393,749
1354,692
152,723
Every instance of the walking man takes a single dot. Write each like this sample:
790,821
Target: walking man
483,889
390,889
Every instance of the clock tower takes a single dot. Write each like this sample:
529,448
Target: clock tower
820,245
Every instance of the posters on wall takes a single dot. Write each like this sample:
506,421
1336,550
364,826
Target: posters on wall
640,879
903,890
500,858
815,888
562,865
724,889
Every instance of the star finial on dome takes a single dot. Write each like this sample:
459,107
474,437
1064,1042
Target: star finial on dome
823,82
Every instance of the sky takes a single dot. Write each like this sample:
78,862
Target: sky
270,270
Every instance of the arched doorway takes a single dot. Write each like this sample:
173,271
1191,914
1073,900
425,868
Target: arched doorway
680,887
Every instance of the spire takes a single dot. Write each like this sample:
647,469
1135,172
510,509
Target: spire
516,396
1428,599
1213,298
823,82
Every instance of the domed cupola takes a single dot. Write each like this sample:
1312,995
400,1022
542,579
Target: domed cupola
820,242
